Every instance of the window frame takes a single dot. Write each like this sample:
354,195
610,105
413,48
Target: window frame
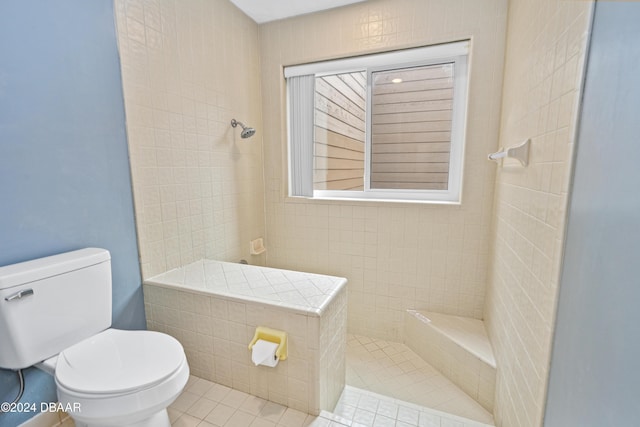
456,53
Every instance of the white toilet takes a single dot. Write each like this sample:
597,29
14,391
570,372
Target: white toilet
55,313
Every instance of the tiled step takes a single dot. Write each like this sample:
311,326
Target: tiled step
458,347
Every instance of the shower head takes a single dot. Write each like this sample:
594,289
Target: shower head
247,132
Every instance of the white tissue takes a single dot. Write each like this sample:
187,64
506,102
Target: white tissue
264,353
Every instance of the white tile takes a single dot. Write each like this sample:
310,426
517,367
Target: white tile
305,292
408,415
429,420
319,422
388,409
382,421
368,403
364,417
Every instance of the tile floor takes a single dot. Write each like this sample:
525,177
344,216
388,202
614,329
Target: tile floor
207,404
394,370
388,386
362,408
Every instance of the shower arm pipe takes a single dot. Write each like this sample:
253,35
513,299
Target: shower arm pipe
235,123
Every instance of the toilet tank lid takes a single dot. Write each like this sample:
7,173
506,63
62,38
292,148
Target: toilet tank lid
42,268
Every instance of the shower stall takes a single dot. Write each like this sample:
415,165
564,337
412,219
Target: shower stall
484,269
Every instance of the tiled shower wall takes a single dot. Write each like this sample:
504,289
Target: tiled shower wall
396,256
544,62
188,68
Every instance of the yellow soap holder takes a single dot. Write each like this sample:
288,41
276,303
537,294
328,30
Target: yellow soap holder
272,335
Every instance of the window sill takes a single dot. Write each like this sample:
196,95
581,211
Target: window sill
297,199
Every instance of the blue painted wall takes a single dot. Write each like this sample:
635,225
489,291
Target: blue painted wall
595,379
64,169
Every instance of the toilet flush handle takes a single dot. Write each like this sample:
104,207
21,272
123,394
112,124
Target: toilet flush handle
19,295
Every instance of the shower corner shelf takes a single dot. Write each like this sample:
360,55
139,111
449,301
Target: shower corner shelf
519,152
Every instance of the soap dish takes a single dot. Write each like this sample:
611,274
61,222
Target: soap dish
256,247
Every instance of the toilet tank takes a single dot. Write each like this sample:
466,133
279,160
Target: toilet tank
48,304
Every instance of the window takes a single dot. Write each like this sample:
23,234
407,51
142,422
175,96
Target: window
384,127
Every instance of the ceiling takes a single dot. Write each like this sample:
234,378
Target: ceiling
270,10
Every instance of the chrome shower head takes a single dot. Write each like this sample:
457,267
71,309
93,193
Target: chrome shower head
247,132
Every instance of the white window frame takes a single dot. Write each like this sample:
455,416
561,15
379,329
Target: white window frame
456,53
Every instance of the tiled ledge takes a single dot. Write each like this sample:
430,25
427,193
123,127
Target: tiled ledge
458,347
296,291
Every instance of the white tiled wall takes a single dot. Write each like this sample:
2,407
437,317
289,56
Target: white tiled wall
216,331
395,256
332,351
544,61
188,68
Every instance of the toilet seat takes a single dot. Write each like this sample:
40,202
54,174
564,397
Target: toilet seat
116,362
119,378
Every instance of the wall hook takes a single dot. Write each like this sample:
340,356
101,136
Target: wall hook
520,152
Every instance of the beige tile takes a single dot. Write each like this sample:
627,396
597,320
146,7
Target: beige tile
67,423
240,419
174,414
530,207
178,117
217,392
253,405
184,401
235,398
259,422
201,408
220,415
272,411
292,418
199,387
186,421
384,230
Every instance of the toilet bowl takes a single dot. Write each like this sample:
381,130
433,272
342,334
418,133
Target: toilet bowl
120,378
58,309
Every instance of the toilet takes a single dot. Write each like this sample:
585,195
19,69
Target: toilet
55,314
